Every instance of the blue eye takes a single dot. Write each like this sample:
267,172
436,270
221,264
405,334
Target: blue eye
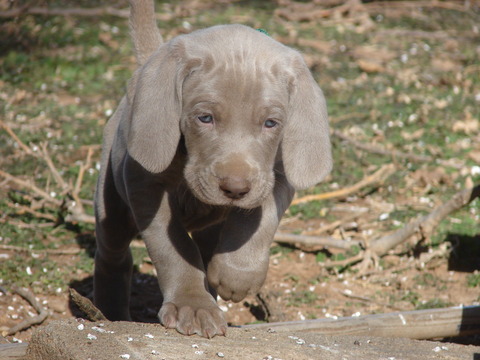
206,119
270,123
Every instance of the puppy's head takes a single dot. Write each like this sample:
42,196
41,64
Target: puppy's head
242,101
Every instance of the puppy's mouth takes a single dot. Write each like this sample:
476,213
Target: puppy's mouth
217,192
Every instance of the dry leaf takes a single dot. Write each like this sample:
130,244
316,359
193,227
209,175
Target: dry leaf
370,66
414,135
107,39
445,65
467,126
475,156
433,177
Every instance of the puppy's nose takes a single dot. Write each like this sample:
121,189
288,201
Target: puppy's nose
234,187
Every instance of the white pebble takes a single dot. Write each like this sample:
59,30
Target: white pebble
100,330
150,336
125,356
219,354
129,338
91,337
155,352
383,216
80,327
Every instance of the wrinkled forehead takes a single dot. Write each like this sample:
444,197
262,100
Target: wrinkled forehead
236,78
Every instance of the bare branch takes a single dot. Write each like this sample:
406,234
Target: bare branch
424,225
379,176
377,150
25,324
86,306
419,324
315,240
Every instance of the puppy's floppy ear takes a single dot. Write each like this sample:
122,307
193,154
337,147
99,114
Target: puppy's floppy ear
156,104
306,149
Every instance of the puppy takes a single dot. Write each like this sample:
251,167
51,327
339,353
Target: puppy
201,159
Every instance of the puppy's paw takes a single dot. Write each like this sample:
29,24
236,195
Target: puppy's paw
193,317
235,282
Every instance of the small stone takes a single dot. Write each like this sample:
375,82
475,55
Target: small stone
125,356
91,337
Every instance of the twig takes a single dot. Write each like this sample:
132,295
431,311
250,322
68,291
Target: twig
86,306
345,262
31,186
307,12
45,156
315,240
378,176
419,324
424,224
377,150
26,10
34,320
333,225
26,209
75,208
81,172
449,5
14,136
367,300
41,251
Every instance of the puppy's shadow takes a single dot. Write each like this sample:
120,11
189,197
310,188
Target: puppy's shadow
145,299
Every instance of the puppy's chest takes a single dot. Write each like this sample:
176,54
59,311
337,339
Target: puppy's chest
197,215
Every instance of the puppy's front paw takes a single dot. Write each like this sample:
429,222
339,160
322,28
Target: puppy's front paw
235,281
190,317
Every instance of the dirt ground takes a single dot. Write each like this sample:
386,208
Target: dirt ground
297,287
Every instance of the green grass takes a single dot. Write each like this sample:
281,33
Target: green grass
45,62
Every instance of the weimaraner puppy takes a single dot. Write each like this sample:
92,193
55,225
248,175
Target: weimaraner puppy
201,158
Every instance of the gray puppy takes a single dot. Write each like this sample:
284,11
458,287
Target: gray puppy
201,158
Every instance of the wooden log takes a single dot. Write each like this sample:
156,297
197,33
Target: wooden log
418,324
13,351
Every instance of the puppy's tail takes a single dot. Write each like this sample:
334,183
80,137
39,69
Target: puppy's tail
144,32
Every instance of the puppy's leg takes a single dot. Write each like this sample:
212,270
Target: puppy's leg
207,240
240,262
113,260
188,306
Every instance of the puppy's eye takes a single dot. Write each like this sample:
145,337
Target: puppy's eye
270,123
206,119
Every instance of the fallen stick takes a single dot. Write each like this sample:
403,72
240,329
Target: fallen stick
449,5
40,251
378,150
380,175
86,306
14,136
315,240
30,185
424,225
333,225
418,324
34,320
